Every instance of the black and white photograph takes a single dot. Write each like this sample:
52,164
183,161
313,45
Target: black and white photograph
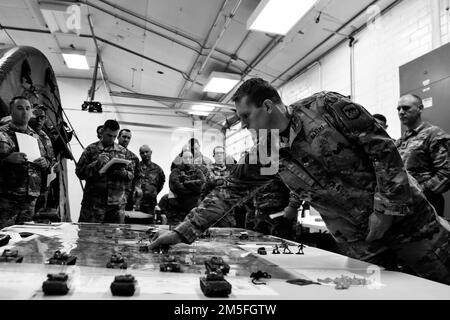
224,158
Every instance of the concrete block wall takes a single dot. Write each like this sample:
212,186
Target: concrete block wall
401,35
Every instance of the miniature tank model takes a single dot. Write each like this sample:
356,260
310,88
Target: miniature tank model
123,285
214,285
117,262
243,236
169,264
143,247
56,284
11,256
62,258
164,249
217,263
262,251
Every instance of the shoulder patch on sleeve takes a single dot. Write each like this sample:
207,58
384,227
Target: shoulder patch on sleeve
351,112
353,116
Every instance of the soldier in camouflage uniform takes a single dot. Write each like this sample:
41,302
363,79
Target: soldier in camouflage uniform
218,171
20,180
424,149
133,188
153,180
37,124
186,182
333,154
103,193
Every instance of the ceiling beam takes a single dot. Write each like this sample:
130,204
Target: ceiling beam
134,113
322,43
195,65
138,106
171,99
155,126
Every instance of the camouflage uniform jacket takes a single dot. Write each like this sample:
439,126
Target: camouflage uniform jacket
137,173
47,143
335,156
109,188
19,179
217,174
153,178
426,154
186,180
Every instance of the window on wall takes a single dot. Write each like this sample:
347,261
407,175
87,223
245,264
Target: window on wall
237,141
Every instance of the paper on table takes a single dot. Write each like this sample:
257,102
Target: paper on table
28,145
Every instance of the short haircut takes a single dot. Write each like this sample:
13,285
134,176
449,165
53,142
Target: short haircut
418,99
112,125
11,102
257,90
217,147
380,117
100,127
126,130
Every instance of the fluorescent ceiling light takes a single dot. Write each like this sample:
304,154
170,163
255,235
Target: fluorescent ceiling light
221,82
76,60
199,113
199,107
278,16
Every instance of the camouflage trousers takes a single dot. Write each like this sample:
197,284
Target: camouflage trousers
427,256
97,213
16,209
148,203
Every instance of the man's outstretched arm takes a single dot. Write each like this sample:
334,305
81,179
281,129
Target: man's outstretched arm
242,184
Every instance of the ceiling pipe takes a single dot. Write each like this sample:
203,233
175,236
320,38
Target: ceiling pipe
182,92
153,22
184,75
132,113
227,23
187,46
138,106
166,28
171,99
259,57
321,43
99,57
353,34
146,125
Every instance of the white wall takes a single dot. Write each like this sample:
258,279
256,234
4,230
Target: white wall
165,143
402,34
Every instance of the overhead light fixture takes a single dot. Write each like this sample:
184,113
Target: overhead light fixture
75,59
221,82
199,113
278,16
199,107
